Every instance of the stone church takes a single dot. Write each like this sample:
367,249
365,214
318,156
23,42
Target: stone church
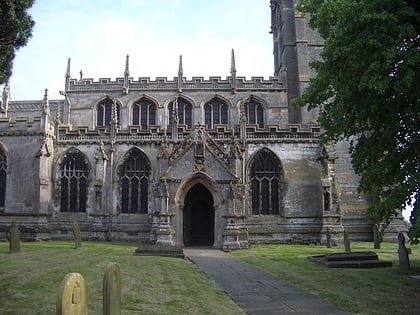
187,162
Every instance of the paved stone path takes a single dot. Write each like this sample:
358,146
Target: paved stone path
257,292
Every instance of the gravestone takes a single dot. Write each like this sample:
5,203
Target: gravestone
112,290
346,243
376,237
76,234
72,296
14,242
403,253
328,237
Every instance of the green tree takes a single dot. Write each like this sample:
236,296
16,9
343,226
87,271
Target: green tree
367,89
15,30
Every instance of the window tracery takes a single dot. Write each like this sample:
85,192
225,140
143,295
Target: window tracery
74,182
134,182
266,180
183,112
215,113
104,112
144,113
254,113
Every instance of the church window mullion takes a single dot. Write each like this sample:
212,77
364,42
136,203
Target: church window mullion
74,181
208,116
216,114
152,115
134,183
260,116
143,116
265,171
136,114
188,116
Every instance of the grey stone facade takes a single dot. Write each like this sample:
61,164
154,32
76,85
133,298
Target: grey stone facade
220,162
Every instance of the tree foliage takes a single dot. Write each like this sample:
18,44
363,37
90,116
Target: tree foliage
367,88
15,30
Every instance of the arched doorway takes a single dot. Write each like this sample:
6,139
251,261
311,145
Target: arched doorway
198,217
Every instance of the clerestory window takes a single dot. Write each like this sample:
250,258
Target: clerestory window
215,113
74,182
266,182
134,181
183,114
3,177
144,113
105,112
254,113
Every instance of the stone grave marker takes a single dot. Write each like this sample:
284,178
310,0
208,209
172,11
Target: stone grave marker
72,296
76,234
403,253
14,242
346,242
328,237
112,290
376,237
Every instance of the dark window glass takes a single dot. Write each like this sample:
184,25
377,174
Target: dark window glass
207,116
265,184
144,111
260,116
184,113
134,180
144,114
136,114
104,112
74,177
215,113
254,114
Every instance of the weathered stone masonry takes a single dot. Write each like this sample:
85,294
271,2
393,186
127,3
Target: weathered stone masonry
219,162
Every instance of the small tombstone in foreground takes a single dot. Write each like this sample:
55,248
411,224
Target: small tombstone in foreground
14,242
112,290
72,296
403,253
76,234
376,237
346,242
328,237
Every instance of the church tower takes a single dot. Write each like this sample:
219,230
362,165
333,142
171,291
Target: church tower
295,44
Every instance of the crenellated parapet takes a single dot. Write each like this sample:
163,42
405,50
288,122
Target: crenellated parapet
25,117
165,84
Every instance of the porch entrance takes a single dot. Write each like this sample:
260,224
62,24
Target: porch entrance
198,217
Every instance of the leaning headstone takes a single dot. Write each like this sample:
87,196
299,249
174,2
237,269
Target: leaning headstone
72,296
112,290
376,237
403,253
346,243
76,234
328,237
14,242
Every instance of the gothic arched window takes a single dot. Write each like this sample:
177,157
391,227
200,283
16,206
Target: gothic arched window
254,113
3,177
183,114
215,113
134,180
74,182
144,113
266,179
104,112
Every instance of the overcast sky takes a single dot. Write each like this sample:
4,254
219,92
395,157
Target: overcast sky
98,34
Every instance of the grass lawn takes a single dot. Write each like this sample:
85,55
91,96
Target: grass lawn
359,291
29,280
